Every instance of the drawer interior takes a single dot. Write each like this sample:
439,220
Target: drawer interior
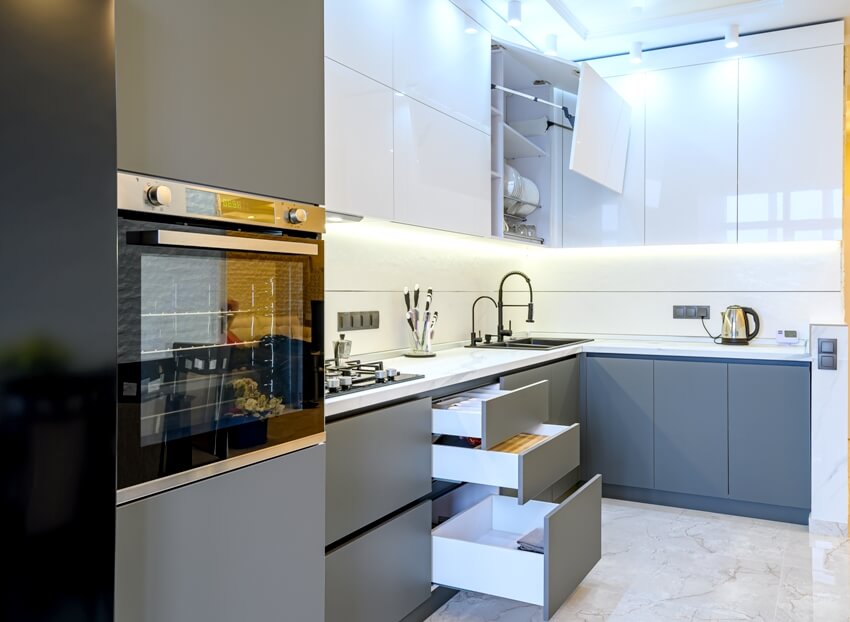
496,521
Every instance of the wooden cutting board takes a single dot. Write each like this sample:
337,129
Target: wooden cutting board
519,443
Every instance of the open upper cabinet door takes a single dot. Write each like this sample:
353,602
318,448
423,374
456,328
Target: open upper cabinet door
601,134
602,118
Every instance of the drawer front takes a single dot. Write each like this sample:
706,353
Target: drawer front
384,574
564,388
494,415
476,549
530,472
377,463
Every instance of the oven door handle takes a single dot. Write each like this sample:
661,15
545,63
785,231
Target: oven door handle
165,237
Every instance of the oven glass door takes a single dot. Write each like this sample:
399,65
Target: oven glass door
220,346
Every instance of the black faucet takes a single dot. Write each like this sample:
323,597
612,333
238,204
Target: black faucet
473,339
507,332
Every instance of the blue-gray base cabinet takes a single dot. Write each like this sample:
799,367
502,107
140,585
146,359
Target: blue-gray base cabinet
244,545
731,436
383,574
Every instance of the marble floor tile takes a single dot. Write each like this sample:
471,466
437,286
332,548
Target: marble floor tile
661,563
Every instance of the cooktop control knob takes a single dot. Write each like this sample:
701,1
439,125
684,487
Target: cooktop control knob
297,215
345,382
158,195
392,373
333,384
380,375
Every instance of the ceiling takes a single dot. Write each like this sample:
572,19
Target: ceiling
593,28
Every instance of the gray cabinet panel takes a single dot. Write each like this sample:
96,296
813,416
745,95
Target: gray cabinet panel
378,462
227,94
619,420
691,450
770,434
563,377
384,574
246,545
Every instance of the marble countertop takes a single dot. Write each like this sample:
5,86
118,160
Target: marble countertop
458,365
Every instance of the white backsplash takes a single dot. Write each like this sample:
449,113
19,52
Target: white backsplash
610,291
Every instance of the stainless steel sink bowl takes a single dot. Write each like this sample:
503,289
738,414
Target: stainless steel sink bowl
532,343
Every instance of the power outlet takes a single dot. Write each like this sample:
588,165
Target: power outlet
357,320
691,312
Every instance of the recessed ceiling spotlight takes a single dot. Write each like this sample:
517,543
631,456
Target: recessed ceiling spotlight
636,53
471,30
732,33
551,48
514,13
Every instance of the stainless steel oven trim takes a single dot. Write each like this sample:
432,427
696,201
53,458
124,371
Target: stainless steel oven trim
165,237
169,482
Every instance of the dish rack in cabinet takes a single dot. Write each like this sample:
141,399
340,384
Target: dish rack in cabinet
477,549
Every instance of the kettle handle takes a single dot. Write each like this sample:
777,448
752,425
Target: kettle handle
751,311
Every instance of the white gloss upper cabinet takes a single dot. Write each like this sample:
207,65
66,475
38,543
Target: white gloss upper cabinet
359,35
791,145
436,62
358,143
594,215
442,170
691,154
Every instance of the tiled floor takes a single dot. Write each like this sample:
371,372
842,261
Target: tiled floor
662,563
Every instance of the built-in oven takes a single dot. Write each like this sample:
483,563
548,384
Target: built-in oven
220,339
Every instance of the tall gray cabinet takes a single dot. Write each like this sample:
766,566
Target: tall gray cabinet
245,545
225,94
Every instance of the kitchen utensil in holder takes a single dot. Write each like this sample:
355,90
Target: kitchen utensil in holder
421,324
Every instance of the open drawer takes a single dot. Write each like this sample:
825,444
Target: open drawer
477,550
518,450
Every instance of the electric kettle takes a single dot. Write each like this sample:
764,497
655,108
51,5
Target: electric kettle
736,327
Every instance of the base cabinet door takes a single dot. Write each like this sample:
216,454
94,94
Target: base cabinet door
770,434
245,545
378,462
691,452
384,574
619,419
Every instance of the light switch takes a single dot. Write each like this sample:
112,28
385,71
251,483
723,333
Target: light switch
827,361
827,346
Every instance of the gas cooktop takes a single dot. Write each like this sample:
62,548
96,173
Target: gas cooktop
351,376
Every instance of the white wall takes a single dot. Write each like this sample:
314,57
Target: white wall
603,291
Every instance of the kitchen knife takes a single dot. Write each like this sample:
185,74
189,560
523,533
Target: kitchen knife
428,297
416,296
426,328
407,297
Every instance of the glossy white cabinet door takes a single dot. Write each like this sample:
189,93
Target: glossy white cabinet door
691,154
601,137
791,145
359,35
358,143
442,170
437,63
595,215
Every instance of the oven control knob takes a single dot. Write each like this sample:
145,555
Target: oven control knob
297,215
158,195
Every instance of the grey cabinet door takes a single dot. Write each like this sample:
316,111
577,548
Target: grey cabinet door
384,574
563,377
226,94
691,448
619,420
245,545
378,462
770,434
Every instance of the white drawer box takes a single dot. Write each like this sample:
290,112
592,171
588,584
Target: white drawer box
529,472
477,549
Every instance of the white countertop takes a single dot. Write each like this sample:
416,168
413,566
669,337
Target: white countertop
458,365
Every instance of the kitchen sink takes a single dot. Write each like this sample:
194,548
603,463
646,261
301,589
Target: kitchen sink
532,343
